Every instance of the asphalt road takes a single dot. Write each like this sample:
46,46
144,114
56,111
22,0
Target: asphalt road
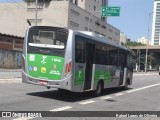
143,95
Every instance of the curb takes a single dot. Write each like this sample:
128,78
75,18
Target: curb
10,80
146,74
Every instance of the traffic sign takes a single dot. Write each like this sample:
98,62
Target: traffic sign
110,11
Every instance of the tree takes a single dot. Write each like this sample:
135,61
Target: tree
134,44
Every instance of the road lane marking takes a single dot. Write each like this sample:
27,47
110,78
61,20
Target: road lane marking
138,89
24,118
61,108
11,80
119,94
105,97
87,102
130,91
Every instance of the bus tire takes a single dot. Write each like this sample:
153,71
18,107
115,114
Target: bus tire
99,88
126,84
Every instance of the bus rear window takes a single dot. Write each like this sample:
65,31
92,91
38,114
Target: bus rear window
47,38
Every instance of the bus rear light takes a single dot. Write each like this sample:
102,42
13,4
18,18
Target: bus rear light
68,67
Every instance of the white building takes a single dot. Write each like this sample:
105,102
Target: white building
143,40
123,37
14,17
156,24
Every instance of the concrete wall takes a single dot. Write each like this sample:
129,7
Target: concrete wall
13,18
89,5
10,59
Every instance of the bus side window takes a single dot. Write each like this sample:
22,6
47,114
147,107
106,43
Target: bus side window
129,62
121,58
113,57
79,50
101,54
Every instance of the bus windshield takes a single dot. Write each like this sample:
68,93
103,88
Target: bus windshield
48,40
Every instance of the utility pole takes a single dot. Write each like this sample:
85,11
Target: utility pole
149,14
90,18
139,67
36,13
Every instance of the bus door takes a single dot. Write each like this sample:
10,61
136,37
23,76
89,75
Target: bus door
121,75
90,52
122,63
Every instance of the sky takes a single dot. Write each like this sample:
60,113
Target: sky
133,19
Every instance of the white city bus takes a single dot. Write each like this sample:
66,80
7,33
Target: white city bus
76,61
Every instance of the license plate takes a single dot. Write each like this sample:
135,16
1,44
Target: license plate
41,82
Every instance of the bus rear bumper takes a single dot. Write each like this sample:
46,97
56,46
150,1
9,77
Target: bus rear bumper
62,84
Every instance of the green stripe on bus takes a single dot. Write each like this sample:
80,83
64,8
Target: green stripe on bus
45,66
105,75
79,77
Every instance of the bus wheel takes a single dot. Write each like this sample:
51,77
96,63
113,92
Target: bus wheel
99,89
126,85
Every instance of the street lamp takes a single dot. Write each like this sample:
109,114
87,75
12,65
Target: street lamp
36,13
149,14
90,18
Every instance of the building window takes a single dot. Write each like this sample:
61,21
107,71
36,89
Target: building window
87,19
97,32
74,24
116,33
97,23
110,30
103,26
103,35
94,8
86,28
90,30
156,43
74,12
110,38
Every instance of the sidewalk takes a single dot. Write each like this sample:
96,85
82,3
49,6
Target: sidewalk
10,73
10,70
143,73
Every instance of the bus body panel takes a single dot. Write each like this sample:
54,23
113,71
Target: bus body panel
109,74
79,77
63,81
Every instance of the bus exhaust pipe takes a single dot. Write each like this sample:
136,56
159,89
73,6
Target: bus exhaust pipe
48,87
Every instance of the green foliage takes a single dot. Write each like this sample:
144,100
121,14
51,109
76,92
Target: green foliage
134,44
38,0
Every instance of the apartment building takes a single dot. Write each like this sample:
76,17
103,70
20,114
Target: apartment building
144,40
69,14
123,37
156,24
